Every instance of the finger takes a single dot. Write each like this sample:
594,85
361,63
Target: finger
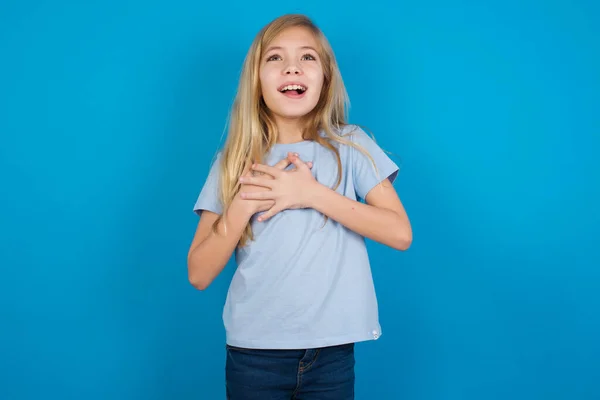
274,172
257,181
283,164
291,156
269,214
266,195
298,163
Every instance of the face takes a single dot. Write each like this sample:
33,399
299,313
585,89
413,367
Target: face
291,74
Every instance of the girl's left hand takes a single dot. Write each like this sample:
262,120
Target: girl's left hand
289,189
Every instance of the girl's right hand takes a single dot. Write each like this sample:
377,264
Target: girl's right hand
254,206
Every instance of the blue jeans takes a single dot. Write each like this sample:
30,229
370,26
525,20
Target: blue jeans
323,373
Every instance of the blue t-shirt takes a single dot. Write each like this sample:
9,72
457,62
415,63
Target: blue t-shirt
300,284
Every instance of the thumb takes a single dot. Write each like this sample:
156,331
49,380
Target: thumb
298,162
283,163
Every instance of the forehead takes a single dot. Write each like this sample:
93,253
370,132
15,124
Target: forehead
294,37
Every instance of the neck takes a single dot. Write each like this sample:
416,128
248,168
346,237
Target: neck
290,131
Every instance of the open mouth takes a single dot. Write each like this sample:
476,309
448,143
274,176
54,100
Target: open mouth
293,91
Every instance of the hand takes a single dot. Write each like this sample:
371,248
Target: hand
254,206
287,189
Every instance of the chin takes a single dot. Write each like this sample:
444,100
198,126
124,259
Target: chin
292,111
292,114
290,108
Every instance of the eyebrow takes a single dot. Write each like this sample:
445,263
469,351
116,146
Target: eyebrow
281,48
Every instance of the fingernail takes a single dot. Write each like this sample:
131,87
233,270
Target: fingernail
297,155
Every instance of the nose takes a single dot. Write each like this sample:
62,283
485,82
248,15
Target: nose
292,69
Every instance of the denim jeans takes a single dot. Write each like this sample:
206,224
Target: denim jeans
323,373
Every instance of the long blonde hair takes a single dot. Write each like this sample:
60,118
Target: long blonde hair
252,129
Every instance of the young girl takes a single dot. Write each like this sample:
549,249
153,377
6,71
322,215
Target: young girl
294,192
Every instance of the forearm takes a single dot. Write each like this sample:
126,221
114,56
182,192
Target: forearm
209,257
379,224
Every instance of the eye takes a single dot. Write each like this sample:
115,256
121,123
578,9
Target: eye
273,57
309,57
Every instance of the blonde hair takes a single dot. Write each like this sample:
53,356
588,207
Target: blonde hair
252,130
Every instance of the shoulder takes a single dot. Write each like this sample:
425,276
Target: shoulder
348,135
354,134
216,160
345,131
356,139
214,166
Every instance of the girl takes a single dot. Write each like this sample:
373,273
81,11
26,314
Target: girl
294,192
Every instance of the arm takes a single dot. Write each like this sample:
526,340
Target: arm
210,252
382,219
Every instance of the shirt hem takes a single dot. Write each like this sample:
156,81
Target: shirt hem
301,344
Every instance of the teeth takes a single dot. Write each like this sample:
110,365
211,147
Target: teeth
292,87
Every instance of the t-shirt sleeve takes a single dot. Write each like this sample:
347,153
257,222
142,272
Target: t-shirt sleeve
209,195
365,176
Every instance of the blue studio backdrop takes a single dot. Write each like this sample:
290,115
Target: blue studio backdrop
110,114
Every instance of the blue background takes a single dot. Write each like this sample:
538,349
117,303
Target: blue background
110,113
